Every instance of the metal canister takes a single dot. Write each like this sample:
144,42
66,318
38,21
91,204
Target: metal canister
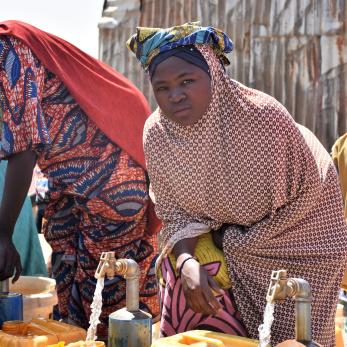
11,307
129,329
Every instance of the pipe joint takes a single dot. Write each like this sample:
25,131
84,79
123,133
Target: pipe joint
299,289
127,268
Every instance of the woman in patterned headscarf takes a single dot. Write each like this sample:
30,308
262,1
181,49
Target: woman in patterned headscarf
228,163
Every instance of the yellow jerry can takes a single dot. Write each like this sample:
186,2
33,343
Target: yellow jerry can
205,338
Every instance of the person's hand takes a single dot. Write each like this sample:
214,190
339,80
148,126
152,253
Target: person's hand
198,287
10,263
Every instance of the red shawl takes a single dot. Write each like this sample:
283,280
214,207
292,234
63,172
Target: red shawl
114,104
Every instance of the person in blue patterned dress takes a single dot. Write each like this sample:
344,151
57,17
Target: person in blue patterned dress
97,193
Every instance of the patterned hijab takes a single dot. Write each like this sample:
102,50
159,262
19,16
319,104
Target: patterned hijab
247,164
147,43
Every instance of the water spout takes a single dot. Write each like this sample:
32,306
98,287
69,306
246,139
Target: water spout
282,287
265,328
96,307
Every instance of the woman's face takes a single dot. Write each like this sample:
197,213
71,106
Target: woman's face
182,90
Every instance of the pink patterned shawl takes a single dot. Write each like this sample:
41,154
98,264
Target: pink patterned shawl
247,163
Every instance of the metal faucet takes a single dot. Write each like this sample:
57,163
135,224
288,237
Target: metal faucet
128,326
282,287
110,266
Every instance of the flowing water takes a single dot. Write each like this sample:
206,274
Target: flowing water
265,328
96,307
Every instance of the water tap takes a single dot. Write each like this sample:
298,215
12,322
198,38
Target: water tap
280,289
109,266
106,265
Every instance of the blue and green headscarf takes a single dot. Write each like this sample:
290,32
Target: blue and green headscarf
147,43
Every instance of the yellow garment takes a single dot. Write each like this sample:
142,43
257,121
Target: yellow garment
207,252
339,155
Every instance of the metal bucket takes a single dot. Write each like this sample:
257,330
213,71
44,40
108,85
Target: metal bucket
129,329
11,307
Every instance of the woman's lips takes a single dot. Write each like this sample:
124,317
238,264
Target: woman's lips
182,111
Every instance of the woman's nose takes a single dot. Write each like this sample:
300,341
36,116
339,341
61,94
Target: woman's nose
176,96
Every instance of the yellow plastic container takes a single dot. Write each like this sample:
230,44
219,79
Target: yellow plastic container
80,344
39,333
205,338
39,296
87,344
339,337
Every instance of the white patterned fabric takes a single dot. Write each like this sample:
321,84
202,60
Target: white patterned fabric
248,164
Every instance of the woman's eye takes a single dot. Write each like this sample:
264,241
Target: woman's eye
187,81
161,89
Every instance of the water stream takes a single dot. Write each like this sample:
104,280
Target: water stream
96,307
265,328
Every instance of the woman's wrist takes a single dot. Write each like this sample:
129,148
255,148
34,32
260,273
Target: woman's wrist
180,268
184,249
6,231
181,258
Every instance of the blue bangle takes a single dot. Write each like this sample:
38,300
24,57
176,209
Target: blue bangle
184,261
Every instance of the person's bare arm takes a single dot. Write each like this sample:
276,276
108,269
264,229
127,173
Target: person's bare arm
17,182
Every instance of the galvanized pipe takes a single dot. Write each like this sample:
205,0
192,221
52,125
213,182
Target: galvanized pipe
130,270
300,290
5,286
282,287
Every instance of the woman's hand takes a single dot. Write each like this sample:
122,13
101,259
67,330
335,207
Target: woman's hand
198,286
10,263
17,181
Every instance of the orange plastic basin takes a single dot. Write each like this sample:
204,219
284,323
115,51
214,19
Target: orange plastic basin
39,333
